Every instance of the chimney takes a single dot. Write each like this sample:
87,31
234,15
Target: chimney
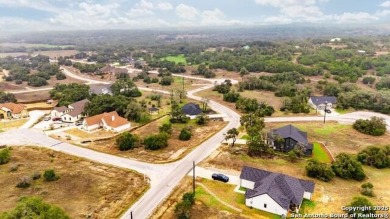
112,118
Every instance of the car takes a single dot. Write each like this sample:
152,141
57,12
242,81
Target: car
57,119
47,118
220,177
328,111
78,123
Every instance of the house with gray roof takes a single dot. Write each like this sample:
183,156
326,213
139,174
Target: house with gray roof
100,89
320,102
274,192
71,113
191,110
287,138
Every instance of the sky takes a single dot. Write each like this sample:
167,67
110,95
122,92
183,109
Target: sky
41,15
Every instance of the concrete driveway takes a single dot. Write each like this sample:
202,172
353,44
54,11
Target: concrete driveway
34,117
207,173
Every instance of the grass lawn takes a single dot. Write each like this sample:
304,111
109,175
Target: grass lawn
343,111
320,153
84,187
307,205
177,59
12,123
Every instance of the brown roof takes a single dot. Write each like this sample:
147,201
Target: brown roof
14,107
60,109
112,119
78,107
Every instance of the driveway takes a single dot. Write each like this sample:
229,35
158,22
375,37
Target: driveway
207,173
34,117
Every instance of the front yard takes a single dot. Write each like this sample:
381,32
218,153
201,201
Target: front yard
12,124
85,189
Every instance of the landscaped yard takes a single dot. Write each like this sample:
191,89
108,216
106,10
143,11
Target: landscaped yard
320,153
177,59
176,148
85,189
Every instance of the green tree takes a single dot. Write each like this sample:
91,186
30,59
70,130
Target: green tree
166,127
5,155
135,112
361,205
50,175
69,93
107,103
374,156
155,142
125,87
7,97
347,167
127,141
202,119
376,126
177,115
34,207
243,72
367,189
185,134
60,76
319,170
232,134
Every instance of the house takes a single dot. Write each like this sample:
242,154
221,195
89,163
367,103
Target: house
13,111
154,110
108,121
335,40
100,89
191,109
71,113
287,138
274,192
320,102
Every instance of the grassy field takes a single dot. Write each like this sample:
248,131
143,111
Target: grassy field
177,59
11,124
85,189
320,153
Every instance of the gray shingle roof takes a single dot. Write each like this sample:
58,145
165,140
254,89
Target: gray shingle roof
281,188
191,109
290,131
78,107
323,99
100,89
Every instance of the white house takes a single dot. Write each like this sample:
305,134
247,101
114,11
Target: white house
319,102
273,192
108,121
71,113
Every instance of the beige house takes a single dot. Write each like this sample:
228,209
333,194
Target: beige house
108,121
12,111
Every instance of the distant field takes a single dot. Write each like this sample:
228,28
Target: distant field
177,59
32,45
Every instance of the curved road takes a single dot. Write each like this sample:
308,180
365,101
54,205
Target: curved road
164,177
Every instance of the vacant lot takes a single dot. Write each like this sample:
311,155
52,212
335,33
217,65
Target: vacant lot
177,84
176,148
33,96
85,189
337,137
12,124
328,196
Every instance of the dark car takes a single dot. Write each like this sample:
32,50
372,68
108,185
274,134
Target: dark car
78,123
220,177
328,111
57,119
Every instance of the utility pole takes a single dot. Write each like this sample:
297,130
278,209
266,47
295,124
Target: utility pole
193,177
326,104
131,215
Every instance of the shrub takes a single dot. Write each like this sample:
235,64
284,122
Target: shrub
185,135
36,175
167,128
368,80
374,156
24,182
292,156
319,170
375,126
155,142
127,141
360,205
345,166
202,119
36,81
50,175
231,97
60,76
183,208
367,189
5,155
14,167
166,80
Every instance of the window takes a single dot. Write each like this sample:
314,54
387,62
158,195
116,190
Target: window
265,205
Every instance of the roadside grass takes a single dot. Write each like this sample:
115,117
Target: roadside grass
343,111
177,59
12,123
320,153
84,187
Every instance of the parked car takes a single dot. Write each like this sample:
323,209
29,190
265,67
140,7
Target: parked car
220,177
57,119
328,111
78,123
47,118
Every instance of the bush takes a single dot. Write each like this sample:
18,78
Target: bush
319,170
5,155
127,141
202,119
167,128
36,81
34,207
50,175
375,126
183,208
155,142
345,166
374,156
368,80
231,97
292,156
166,80
60,76
367,189
36,175
185,135
24,182
360,205
14,167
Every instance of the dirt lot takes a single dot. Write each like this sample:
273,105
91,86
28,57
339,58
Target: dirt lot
11,124
85,189
176,148
337,137
33,96
328,197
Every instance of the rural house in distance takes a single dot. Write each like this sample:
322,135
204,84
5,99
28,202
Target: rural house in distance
319,102
274,192
287,138
191,110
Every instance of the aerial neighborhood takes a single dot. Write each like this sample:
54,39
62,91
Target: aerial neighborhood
204,117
